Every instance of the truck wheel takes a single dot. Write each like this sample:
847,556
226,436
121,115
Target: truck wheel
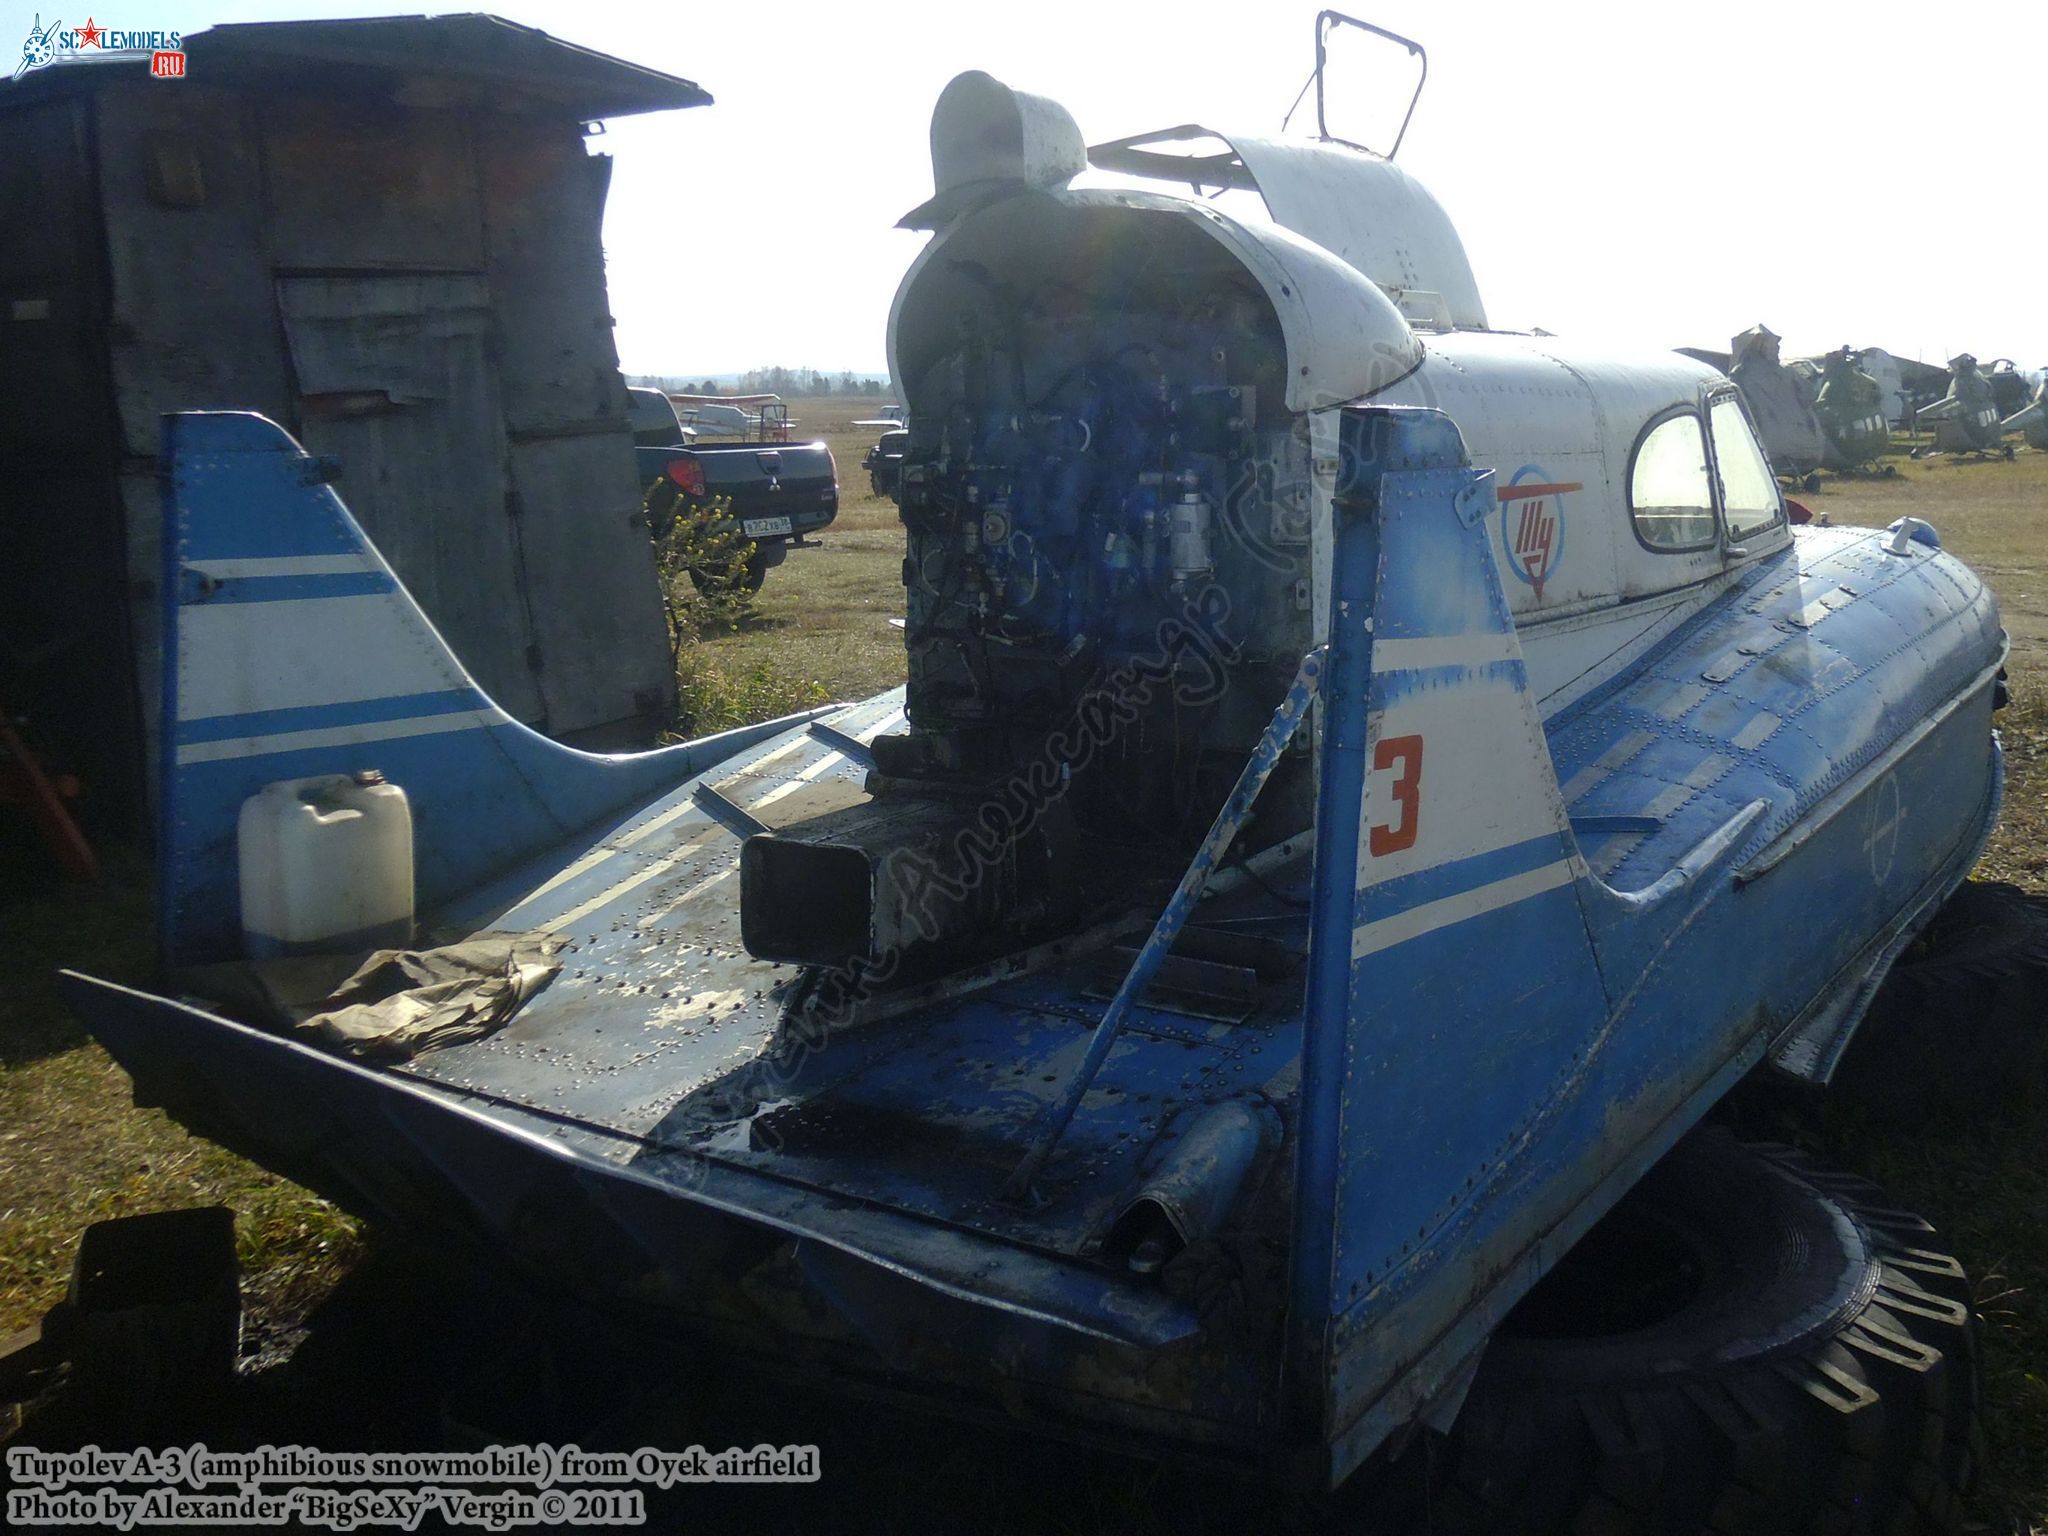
1745,1345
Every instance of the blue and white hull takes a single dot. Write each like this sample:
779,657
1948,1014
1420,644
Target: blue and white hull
1525,956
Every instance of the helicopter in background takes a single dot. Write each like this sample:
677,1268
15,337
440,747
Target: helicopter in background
1966,419
1850,407
1784,416
2032,418
2010,388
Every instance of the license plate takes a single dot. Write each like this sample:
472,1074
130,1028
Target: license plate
760,527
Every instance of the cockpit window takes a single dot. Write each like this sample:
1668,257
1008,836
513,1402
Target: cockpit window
1670,489
1749,489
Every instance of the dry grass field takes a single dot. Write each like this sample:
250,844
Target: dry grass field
73,1150
824,613
1983,1180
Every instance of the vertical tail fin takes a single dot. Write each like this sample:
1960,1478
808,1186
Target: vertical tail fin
291,649
1452,979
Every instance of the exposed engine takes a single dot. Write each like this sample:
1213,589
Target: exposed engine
1107,574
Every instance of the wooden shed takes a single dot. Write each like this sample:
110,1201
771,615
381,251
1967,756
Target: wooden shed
383,234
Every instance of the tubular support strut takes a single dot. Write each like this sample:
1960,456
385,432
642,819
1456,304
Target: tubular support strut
1229,822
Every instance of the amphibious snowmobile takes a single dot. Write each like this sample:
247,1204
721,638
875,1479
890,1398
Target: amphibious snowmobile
1362,794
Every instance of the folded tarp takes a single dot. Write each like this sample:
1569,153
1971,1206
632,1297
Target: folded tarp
394,1003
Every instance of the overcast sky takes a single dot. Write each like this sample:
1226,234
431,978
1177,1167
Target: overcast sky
1662,174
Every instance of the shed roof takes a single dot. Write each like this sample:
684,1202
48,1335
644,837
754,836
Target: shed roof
476,48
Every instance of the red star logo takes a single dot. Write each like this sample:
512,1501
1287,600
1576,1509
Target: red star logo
89,35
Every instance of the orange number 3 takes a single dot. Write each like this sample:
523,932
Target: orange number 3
1407,794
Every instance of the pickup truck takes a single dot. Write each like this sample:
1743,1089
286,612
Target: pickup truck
777,493
884,461
652,416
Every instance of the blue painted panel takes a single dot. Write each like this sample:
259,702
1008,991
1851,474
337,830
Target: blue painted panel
1509,1066
390,1145
250,525
1496,1039
320,717
278,589
1442,1062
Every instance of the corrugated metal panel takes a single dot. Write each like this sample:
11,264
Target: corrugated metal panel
355,182
396,381
596,609
193,328
516,64
48,321
358,207
387,335
190,326
543,203
64,659
597,613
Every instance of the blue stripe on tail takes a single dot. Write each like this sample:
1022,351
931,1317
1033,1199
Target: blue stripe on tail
292,649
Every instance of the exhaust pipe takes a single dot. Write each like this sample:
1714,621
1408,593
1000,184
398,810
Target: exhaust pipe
927,880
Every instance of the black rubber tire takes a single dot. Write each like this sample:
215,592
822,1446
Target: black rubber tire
1819,1373
1958,1027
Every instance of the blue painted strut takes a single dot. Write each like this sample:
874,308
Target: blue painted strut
1222,832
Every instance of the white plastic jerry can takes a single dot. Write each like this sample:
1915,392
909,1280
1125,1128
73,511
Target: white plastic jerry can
326,865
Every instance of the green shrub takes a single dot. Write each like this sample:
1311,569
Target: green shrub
701,559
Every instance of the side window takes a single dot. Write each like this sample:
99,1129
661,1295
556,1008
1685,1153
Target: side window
1747,484
1670,490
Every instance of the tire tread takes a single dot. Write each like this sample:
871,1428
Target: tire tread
1869,1429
